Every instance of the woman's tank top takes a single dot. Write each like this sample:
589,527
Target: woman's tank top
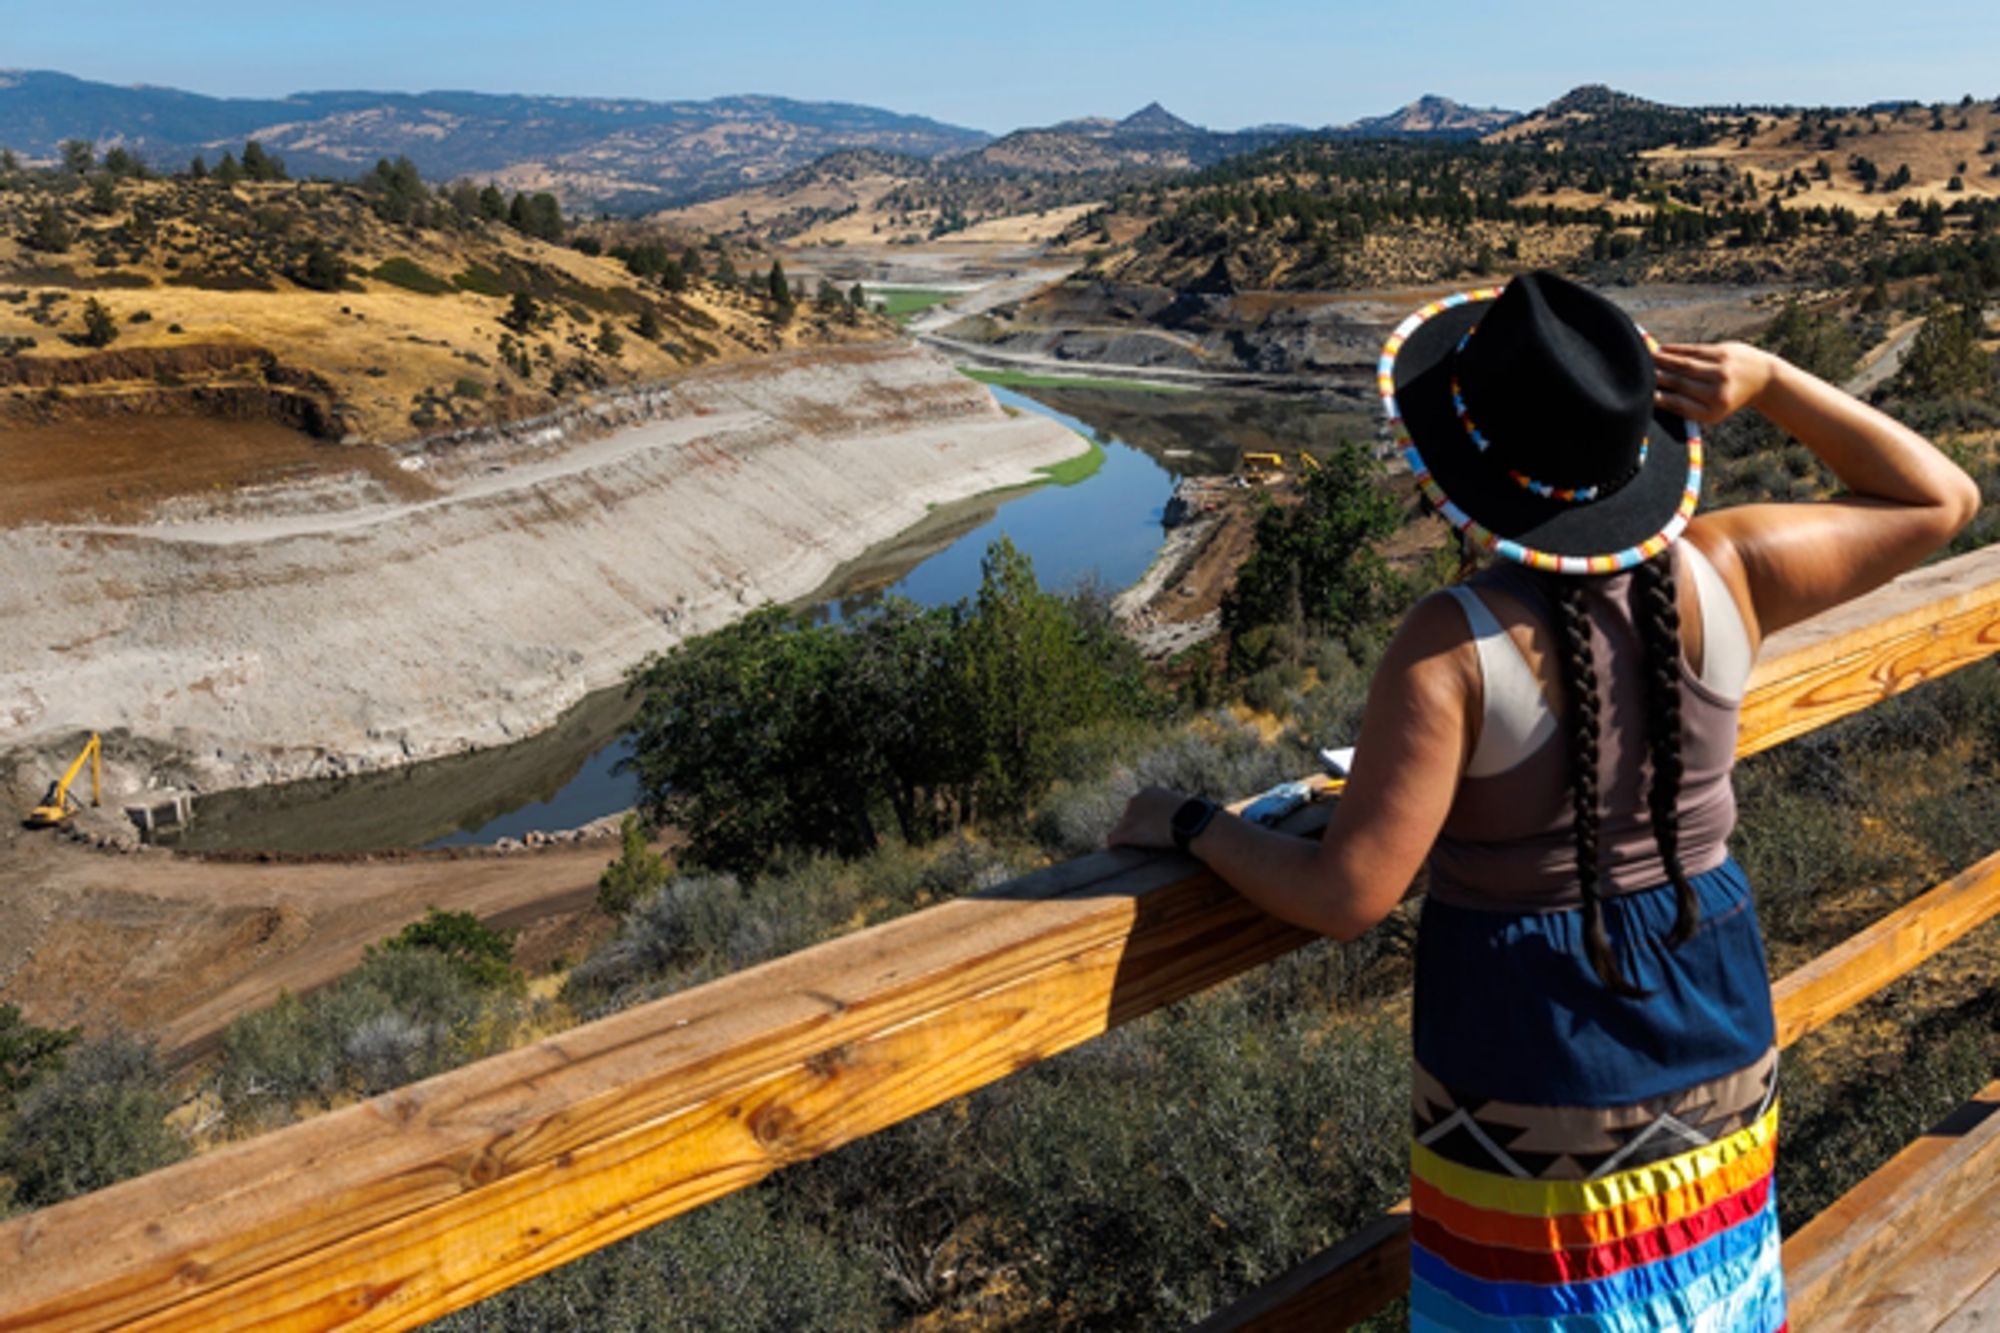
1508,840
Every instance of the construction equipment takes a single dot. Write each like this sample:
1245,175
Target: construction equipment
1260,467
1307,463
59,805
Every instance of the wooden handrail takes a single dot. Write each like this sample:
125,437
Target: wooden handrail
1896,1209
423,1200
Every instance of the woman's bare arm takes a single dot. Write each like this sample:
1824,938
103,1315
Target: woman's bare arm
1904,499
1415,740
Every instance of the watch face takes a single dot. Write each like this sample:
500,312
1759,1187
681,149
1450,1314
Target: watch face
1191,819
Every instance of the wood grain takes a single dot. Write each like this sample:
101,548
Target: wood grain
1929,622
1865,962
392,1212
1833,1261
1930,1286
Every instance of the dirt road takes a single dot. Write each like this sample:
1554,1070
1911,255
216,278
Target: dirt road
176,947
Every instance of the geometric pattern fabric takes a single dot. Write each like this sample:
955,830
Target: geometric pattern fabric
1562,1219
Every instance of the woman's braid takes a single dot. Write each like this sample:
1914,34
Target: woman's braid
1579,677
1659,617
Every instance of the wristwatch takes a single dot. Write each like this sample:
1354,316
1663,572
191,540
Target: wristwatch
1193,816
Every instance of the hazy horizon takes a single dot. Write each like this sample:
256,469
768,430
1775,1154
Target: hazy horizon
1282,61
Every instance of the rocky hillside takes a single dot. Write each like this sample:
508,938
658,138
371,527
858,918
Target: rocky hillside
615,153
1151,138
863,194
378,311
1432,117
1596,178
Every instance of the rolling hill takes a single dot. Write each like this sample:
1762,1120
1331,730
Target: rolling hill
376,311
623,154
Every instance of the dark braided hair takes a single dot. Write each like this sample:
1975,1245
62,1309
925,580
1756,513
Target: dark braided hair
1659,623
1579,677
1659,617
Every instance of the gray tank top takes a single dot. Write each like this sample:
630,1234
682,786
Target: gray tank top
1507,841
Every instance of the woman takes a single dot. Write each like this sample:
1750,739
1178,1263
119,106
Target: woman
1595,1118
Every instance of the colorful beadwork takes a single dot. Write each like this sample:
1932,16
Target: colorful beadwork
1566,494
1477,533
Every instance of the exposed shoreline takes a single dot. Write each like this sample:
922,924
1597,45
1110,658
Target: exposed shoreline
241,649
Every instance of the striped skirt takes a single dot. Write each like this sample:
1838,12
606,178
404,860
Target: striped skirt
1582,1161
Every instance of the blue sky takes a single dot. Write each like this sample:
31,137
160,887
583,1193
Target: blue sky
997,67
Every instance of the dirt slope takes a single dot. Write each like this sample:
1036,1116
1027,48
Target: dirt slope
333,626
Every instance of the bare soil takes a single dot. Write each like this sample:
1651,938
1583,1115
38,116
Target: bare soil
176,946
120,469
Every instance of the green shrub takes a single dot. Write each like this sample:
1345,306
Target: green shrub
1268,692
404,272
405,1014
634,876
1216,756
99,1119
1169,1167
778,733
482,955
482,281
27,1053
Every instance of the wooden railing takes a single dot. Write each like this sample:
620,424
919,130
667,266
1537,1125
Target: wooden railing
423,1200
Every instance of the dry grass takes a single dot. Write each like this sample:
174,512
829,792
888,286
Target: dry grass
1933,156
382,347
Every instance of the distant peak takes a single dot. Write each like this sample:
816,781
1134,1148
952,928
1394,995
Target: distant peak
1594,99
1155,119
1436,115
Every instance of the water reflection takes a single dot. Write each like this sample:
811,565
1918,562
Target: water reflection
1104,528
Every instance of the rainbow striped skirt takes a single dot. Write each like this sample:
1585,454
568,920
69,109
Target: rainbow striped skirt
1583,1161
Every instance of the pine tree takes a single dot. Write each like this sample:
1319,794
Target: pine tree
781,291
259,165
49,233
99,328
635,876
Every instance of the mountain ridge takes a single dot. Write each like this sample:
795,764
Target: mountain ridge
614,152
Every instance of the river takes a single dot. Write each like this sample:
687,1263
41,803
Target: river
1105,527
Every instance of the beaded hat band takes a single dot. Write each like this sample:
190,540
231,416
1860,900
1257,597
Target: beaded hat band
1618,523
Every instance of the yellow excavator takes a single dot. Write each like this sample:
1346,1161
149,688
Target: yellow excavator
59,805
1258,468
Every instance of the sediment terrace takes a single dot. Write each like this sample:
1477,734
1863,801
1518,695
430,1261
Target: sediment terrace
333,627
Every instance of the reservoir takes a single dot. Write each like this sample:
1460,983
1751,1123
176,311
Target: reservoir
1104,528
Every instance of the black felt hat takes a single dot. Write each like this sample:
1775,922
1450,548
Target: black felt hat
1527,417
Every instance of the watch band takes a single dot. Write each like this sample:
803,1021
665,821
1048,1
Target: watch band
1188,822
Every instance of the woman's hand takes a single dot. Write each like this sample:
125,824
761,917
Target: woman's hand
1148,820
1707,382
